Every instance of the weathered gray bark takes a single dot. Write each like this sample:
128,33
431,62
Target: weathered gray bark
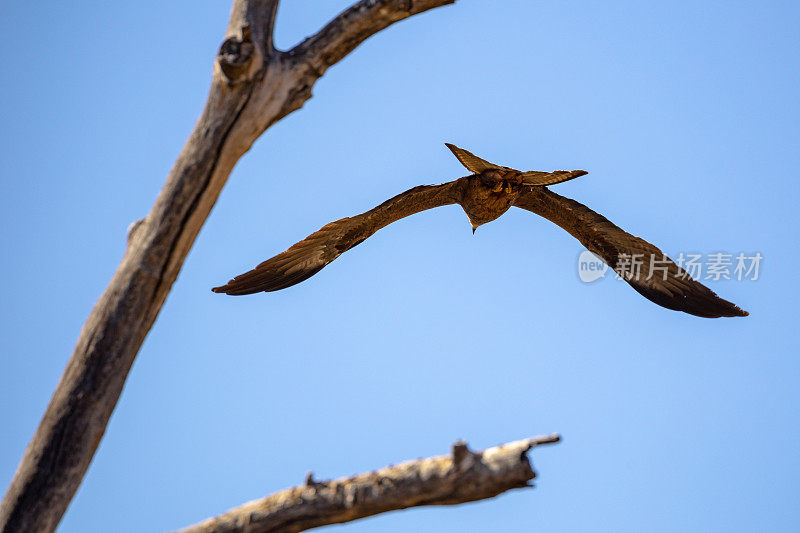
463,476
253,86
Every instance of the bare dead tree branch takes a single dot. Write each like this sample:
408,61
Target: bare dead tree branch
463,476
341,35
253,86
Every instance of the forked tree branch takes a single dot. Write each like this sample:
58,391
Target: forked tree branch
253,86
463,476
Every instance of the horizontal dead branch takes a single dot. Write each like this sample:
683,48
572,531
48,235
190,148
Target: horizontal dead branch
463,476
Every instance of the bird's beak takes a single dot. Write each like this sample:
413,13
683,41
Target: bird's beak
473,229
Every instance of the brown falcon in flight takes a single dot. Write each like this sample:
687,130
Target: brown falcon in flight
485,195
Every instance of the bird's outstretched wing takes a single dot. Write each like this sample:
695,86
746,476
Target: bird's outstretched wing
642,265
472,162
310,255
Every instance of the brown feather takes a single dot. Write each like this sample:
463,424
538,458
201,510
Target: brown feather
537,178
472,162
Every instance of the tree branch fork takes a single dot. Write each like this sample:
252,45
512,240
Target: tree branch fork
253,86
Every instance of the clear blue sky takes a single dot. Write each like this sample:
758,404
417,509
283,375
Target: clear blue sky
685,114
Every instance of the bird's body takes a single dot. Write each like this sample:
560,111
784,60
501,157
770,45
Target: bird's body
488,195
485,195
